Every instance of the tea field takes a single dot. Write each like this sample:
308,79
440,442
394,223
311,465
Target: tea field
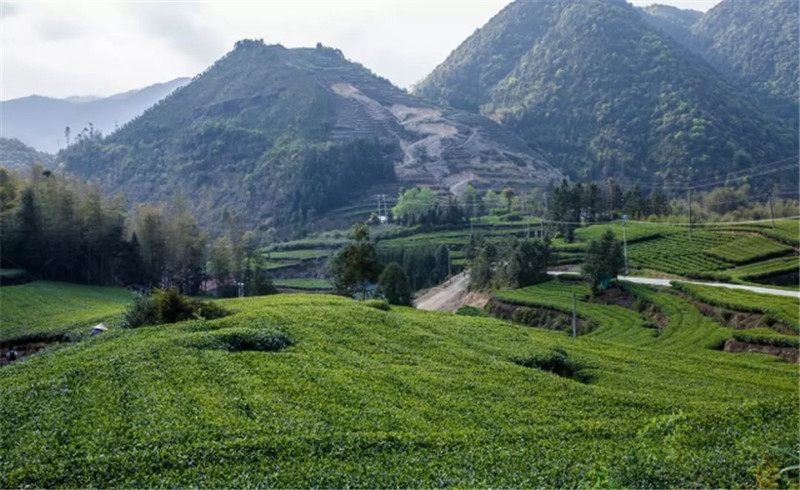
55,308
344,395
753,253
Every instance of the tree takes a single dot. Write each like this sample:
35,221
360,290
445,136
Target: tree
394,285
508,194
528,261
356,264
603,262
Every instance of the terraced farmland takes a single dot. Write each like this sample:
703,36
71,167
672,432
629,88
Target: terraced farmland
748,248
404,398
784,309
676,254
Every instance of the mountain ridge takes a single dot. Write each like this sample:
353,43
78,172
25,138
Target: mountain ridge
40,121
605,94
280,136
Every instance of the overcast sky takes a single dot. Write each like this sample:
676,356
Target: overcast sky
60,49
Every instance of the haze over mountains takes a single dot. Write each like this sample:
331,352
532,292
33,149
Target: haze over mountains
605,93
40,122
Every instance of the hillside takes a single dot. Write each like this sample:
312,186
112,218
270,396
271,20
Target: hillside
603,93
14,154
755,43
279,136
675,22
40,121
400,398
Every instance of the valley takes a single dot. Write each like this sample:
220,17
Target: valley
568,256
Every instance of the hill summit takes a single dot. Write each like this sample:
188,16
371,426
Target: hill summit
280,136
604,93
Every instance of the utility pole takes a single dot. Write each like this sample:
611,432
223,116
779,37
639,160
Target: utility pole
574,317
771,211
689,190
625,241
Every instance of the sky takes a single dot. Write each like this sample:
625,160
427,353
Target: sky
64,48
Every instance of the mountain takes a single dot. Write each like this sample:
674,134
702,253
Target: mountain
676,23
755,43
41,121
605,94
15,154
280,136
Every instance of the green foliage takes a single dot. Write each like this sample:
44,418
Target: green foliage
470,311
527,263
557,362
367,398
142,311
755,44
242,339
168,306
355,265
394,285
603,262
378,304
605,94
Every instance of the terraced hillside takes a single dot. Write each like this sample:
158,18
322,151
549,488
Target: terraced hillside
370,398
753,253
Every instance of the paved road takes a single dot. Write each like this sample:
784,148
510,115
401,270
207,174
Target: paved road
668,282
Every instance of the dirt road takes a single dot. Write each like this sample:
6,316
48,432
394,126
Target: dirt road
451,295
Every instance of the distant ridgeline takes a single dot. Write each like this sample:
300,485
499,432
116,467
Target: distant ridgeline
608,90
280,136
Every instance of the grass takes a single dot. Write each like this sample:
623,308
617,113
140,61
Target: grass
302,283
41,308
368,398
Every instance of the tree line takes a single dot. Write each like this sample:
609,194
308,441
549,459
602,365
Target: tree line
58,227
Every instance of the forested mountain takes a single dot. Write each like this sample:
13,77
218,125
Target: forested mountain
755,42
604,93
15,154
675,22
40,122
279,136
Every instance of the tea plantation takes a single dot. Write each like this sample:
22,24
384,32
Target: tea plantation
316,390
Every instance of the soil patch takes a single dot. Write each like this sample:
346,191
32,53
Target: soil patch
22,351
738,320
789,354
541,317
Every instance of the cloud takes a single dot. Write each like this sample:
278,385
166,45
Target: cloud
186,27
55,30
8,10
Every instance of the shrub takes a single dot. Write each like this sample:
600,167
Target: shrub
378,304
243,339
143,311
173,306
168,306
470,311
557,362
